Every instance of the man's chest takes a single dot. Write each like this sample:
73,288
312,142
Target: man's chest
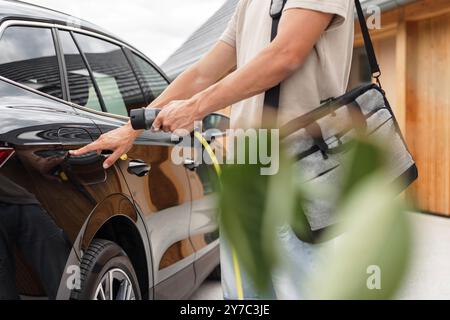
253,29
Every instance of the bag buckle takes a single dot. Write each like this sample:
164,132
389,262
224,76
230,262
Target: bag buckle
315,132
377,76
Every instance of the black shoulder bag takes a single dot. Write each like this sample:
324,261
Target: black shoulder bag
319,145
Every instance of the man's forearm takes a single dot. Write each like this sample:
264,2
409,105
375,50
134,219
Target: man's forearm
264,72
184,87
211,68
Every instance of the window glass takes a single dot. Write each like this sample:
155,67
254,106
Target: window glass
152,81
81,87
28,56
112,72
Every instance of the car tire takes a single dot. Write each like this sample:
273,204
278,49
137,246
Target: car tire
104,260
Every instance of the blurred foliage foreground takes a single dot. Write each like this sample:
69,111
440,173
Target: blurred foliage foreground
373,230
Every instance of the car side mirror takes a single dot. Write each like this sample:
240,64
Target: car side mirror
216,121
215,125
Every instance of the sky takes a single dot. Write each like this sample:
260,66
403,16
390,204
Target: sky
155,27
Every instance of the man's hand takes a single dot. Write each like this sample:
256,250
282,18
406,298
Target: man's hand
119,141
178,115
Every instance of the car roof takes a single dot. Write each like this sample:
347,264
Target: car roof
18,10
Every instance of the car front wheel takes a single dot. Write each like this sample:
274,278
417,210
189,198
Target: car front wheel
106,274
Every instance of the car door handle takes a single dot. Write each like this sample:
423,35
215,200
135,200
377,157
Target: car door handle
138,168
190,164
83,159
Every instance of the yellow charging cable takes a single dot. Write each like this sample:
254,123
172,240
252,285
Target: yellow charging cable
236,267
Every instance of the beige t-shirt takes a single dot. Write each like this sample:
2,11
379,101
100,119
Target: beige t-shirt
324,74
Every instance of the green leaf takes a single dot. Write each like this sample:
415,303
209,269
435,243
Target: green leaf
375,231
252,208
375,235
242,204
281,206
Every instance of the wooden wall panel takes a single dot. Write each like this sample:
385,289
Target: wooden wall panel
386,54
428,109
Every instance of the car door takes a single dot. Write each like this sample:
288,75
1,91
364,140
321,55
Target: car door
159,187
164,196
161,192
204,181
203,229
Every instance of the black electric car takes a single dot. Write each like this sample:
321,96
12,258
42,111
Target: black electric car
142,229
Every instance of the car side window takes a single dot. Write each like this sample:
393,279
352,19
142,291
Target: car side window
28,56
113,74
153,83
81,87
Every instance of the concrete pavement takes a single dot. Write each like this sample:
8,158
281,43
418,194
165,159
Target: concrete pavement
428,276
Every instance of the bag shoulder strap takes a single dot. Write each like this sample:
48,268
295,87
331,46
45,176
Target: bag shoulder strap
272,96
374,67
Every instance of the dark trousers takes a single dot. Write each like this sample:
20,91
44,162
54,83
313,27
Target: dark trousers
44,246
